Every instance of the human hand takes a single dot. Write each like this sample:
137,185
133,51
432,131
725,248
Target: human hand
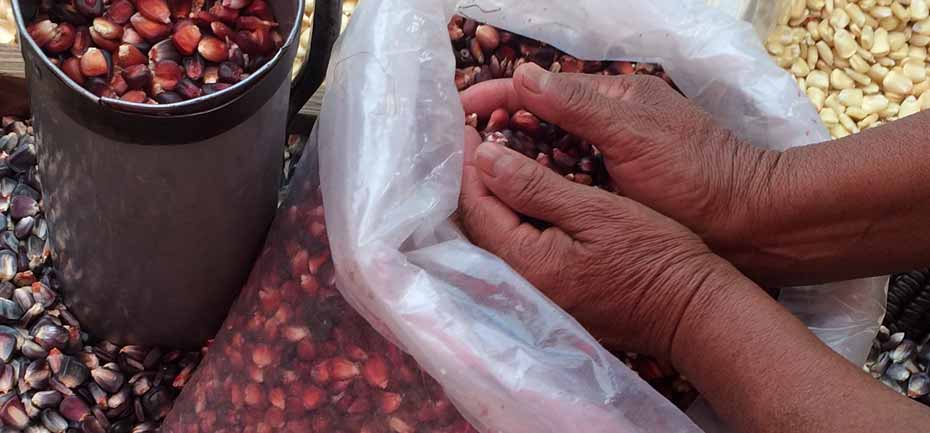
659,149
626,272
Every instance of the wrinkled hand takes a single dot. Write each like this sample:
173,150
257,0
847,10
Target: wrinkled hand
660,149
627,273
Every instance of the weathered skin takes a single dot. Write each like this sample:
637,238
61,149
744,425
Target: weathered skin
854,207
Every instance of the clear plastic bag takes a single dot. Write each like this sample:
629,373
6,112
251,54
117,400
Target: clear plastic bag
762,14
294,357
390,136
844,315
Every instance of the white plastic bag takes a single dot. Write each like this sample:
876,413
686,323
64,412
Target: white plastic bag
762,14
844,315
390,136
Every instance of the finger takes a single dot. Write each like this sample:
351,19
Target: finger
479,208
606,111
536,191
485,97
491,225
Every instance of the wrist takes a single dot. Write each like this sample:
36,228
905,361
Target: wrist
762,203
721,286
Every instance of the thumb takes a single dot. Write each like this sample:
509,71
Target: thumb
535,191
605,111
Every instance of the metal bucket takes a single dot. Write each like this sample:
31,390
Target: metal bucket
156,212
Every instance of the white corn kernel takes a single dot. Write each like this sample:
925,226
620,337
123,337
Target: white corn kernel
812,57
868,121
894,98
826,32
922,27
916,71
859,65
900,12
839,80
861,79
818,79
846,45
887,62
817,97
838,131
774,48
865,54
860,62
839,19
851,97
919,40
856,16
800,68
924,100
823,66
867,37
874,103
784,62
797,8
921,87
829,117
826,54
877,72
896,40
856,113
897,82
813,31
890,24
909,106
784,35
917,53
918,10
854,29
880,46
833,103
880,12
890,111
899,54
848,123
798,35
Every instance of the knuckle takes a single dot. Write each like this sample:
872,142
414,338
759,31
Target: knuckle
529,181
634,136
648,89
615,87
520,253
600,210
476,228
467,213
545,267
576,96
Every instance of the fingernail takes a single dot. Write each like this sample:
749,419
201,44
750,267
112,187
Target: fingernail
492,158
534,78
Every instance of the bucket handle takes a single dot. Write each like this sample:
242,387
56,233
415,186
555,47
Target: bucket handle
327,22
